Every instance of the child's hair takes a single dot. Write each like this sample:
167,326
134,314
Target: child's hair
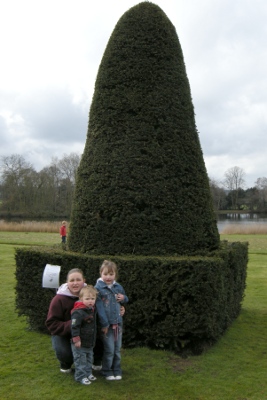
64,222
75,270
110,266
89,289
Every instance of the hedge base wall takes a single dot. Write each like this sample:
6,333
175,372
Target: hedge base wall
182,304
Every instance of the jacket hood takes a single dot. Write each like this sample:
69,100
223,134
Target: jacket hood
101,280
65,291
80,305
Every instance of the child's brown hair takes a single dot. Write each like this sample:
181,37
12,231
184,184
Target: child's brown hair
110,266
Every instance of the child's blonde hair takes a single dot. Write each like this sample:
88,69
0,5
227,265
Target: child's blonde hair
89,289
110,266
64,222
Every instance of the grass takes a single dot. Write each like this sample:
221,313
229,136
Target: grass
30,226
234,369
29,238
257,228
54,226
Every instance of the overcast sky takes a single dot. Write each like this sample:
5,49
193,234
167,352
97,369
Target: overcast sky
51,51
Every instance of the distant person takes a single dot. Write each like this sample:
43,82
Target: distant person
83,330
111,296
63,231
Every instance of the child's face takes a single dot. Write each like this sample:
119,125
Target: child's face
108,277
88,300
75,283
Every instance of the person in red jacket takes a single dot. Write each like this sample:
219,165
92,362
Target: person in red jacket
63,231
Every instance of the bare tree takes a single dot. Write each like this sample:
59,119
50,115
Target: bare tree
218,194
14,166
234,180
69,165
48,192
58,182
16,175
261,185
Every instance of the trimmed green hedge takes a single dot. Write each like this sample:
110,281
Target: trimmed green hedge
142,186
177,303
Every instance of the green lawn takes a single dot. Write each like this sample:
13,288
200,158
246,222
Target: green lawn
234,369
29,238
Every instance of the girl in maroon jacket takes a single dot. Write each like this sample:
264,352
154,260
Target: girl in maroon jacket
58,320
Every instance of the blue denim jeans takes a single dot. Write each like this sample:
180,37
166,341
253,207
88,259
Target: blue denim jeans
62,347
111,364
83,359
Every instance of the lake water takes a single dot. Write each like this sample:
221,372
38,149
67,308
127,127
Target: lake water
223,219
245,219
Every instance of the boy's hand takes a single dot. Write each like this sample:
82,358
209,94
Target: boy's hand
122,311
77,344
105,330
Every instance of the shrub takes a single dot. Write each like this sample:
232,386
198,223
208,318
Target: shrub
142,186
177,303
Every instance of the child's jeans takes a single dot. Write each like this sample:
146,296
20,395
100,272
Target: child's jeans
83,359
111,365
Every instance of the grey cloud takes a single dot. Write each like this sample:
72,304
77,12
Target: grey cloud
52,115
226,60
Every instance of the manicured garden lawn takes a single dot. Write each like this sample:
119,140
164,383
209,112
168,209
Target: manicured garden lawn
234,369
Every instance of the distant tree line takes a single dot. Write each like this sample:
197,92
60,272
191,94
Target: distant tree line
231,193
24,192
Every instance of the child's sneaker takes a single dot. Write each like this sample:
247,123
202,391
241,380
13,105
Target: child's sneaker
110,378
118,377
85,381
97,367
66,371
92,378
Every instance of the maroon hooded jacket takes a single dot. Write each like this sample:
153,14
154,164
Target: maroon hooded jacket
58,320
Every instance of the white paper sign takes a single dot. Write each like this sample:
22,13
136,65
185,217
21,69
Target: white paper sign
51,276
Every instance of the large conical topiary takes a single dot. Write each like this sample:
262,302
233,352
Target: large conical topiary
142,185
142,189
